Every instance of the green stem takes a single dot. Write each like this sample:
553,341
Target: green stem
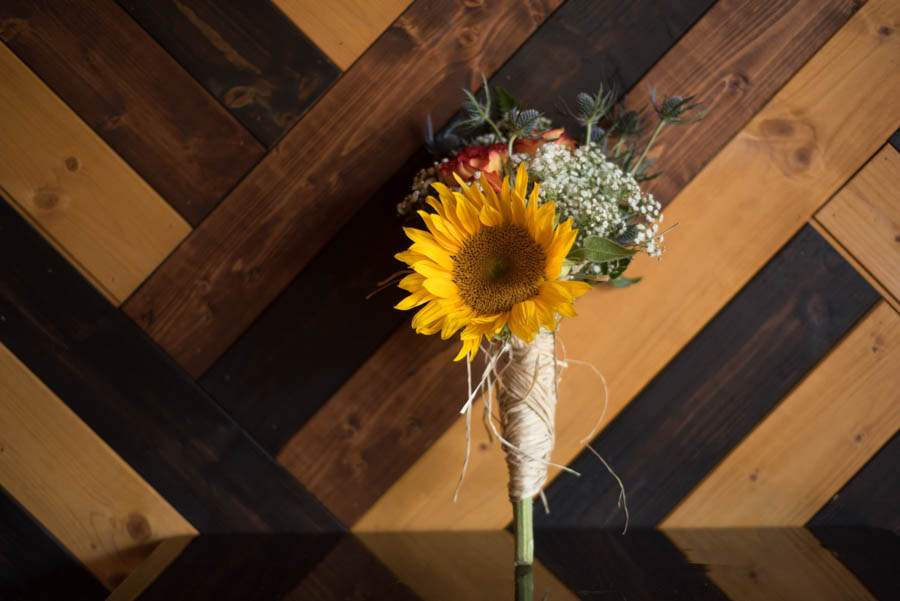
524,583
524,532
587,136
647,147
509,147
494,127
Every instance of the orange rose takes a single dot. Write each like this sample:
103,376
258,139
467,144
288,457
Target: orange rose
556,136
470,160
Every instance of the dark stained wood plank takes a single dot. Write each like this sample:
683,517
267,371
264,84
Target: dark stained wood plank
603,564
687,419
34,566
871,554
258,379
137,399
368,124
351,428
895,141
871,497
249,55
135,96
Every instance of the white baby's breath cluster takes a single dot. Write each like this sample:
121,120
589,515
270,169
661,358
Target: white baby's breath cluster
600,198
421,188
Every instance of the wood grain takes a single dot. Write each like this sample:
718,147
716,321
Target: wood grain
865,218
134,397
870,497
773,564
73,483
257,378
71,185
828,115
686,420
156,563
448,566
248,55
216,283
134,96
812,443
343,29
34,566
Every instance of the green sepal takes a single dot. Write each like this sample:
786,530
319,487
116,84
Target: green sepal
600,250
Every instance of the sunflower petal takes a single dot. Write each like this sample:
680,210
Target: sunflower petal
441,287
411,282
431,270
419,297
523,321
574,288
434,252
521,180
490,216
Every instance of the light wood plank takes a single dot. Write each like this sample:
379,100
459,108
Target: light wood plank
763,565
156,563
743,207
70,185
813,442
58,469
343,29
443,566
865,218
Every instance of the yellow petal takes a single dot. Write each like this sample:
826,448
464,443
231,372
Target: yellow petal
434,252
490,216
518,209
419,297
431,270
412,282
574,288
521,180
522,321
441,287
409,257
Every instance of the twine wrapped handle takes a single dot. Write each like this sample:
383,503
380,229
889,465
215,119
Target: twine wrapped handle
527,396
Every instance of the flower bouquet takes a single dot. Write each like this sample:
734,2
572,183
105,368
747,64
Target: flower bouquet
524,220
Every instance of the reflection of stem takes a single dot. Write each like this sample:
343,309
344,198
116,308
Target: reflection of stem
524,583
524,532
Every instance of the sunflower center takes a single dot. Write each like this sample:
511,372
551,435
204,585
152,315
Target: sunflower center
499,267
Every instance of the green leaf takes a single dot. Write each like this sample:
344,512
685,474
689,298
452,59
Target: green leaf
600,250
505,100
623,282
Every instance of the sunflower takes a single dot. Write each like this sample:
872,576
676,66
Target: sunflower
487,262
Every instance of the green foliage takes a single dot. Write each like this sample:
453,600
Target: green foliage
505,100
623,282
600,250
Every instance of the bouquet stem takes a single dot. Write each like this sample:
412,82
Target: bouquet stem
524,532
524,583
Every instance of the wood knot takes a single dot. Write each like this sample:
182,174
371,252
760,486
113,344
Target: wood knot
467,37
11,28
46,199
473,3
802,158
778,128
817,310
737,81
72,164
884,31
138,527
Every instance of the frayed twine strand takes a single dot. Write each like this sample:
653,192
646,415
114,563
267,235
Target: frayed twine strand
527,388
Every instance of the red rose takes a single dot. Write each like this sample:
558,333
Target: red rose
470,160
555,136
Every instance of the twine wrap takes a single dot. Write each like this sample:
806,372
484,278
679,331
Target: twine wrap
527,397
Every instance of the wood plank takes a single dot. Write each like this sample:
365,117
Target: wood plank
248,250
135,97
343,29
73,483
156,563
675,432
895,140
870,497
248,55
813,442
642,566
128,391
744,220
34,566
70,184
865,218
773,564
258,380
448,566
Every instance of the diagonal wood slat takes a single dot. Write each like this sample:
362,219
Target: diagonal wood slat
865,219
135,96
258,380
815,133
687,419
34,566
73,483
812,443
343,29
59,174
247,54
145,407
216,283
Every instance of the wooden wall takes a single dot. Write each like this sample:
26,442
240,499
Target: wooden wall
198,196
